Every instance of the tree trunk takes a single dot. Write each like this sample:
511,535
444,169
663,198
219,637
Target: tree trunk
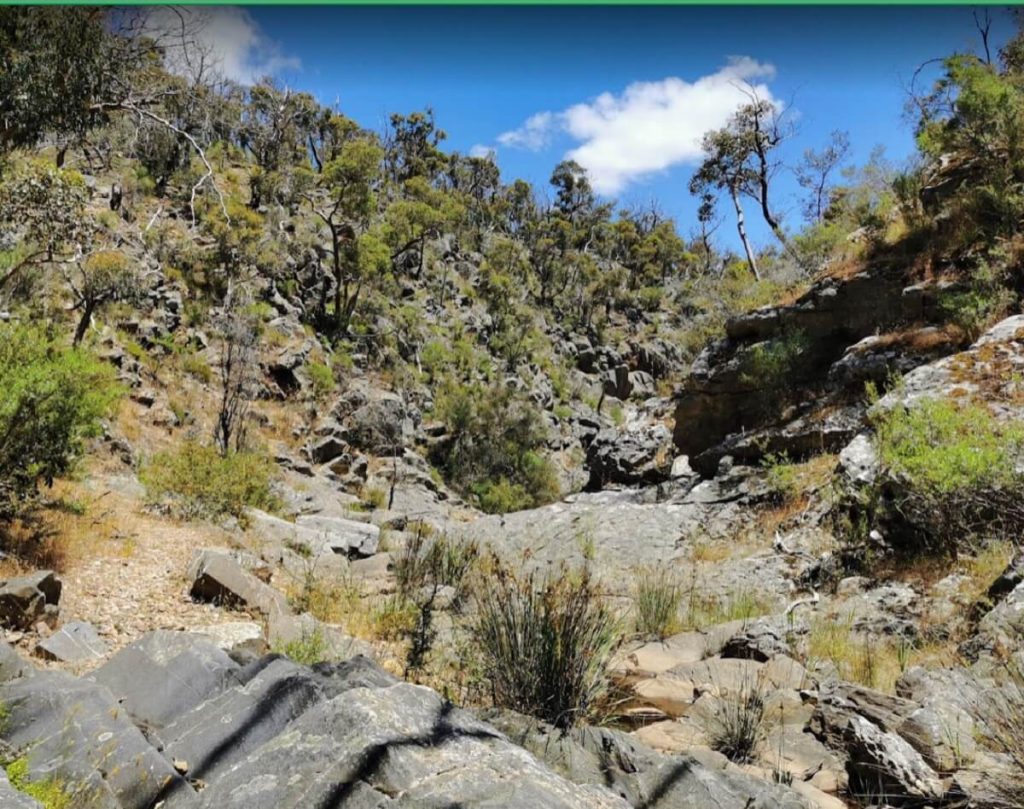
83,324
741,226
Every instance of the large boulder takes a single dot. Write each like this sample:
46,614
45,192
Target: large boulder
76,732
636,455
727,392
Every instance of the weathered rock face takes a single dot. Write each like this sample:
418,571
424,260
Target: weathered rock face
637,455
725,393
273,735
640,775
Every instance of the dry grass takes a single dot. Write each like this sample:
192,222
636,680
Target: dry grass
984,568
873,662
74,527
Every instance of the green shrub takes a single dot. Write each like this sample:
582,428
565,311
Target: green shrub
311,647
772,365
322,378
657,596
495,445
954,469
51,399
545,645
200,482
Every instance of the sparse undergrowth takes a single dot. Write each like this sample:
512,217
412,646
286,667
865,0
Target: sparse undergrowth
50,793
200,482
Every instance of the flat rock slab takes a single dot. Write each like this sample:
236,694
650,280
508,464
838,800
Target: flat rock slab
74,643
165,674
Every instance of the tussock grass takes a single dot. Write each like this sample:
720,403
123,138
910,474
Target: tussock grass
545,644
657,597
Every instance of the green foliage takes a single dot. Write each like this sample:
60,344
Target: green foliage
494,449
545,644
985,299
956,469
200,482
322,378
774,365
49,792
51,399
309,648
657,596
944,447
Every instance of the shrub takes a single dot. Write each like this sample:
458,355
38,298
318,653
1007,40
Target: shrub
496,437
955,470
772,366
201,482
657,595
322,378
545,645
311,647
51,399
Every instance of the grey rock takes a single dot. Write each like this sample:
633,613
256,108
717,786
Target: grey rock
77,732
218,578
858,461
10,798
643,777
402,742
165,674
637,454
73,643
347,537
26,599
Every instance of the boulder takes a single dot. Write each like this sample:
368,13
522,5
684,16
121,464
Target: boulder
25,600
351,538
396,745
165,674
218,578
76,732
240,639
73,643
639,774
637,455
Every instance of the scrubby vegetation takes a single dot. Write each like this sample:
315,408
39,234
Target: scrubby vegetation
957,466
54,398
198,481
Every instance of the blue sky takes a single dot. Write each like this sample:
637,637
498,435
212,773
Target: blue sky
486,71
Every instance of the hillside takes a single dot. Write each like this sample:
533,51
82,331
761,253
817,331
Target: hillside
338,470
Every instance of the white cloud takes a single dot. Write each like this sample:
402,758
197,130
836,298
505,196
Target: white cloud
534,135
479,150
236,45
649,127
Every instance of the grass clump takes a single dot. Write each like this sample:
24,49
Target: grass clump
202,483
657,595
48,792
737,726
702,610
544,644
309,648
